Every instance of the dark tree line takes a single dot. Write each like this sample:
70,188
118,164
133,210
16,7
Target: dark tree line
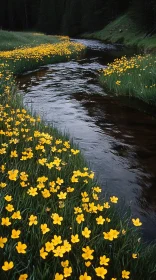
73,16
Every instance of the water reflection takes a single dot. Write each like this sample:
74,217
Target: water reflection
118,140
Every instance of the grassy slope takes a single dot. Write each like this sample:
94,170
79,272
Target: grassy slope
10,40
124,30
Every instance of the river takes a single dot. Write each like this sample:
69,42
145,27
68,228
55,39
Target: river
117,139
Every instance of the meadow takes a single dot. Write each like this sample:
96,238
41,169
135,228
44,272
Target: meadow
56,221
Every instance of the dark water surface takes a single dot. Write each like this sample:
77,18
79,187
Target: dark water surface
118,140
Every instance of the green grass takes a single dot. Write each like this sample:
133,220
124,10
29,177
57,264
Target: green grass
11,40
25,141
133,77
125,30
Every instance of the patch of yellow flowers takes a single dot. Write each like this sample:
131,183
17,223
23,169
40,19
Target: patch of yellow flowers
42,51
54,195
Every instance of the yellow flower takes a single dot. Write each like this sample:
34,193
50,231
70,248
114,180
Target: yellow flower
43,254
97,189
59,251
134,256
44,228
58,276
106,205
62,195
125,274
46,193
32,191
56,240
23,277
7,266
56,219
100,220
67,246
67,271
33,220
8,198
5,222
77,210
13,154
23,184
114,199
88,263
9,208
86,232
104,260
65,263
80,218
24,176
21,248
59,181
101,272
75,238
69,189
16,215
15,233
136,222
87,255
85,277
3,240
112,234
118,83
49,246
3,185
13,174
75,152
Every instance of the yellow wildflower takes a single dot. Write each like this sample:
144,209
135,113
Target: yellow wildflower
44,228
75,238
23,277
136,222
101,272
125,274
3,240
33,220
86,232
5,222
7,266
21,248
85,277
15,234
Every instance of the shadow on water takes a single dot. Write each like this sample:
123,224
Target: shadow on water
117,139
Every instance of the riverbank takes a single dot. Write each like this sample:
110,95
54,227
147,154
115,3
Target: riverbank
125,31
132,77
47,189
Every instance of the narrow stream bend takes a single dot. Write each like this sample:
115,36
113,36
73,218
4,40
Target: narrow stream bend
118,140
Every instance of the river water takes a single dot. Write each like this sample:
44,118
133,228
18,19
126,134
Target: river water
118,141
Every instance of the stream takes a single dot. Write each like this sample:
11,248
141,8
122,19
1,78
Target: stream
116,135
